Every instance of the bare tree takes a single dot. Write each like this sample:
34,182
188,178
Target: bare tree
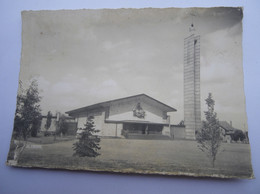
209,138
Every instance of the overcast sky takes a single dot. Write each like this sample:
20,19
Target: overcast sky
89,56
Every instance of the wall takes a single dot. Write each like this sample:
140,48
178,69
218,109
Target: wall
166,131
128,104
123,110
106,129
149,117
178,132
112,129
98,120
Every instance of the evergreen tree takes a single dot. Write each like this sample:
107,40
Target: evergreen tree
36,124
209,138
88,144
48,121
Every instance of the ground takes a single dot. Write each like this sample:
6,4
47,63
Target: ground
142,156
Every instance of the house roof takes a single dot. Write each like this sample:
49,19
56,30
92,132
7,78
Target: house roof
225,125
163,106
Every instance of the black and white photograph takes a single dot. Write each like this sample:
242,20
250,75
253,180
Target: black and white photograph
143,91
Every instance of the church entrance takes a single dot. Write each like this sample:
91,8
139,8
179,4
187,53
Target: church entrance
142,129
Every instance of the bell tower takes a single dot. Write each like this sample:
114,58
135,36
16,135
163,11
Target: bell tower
192,109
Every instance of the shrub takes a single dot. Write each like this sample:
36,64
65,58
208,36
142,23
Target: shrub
209,138
238,135
88,143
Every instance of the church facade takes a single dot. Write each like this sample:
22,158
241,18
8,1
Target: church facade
135,115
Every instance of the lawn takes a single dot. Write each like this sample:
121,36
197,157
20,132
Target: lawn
41,139
144,156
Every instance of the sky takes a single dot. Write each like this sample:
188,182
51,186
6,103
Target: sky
83,57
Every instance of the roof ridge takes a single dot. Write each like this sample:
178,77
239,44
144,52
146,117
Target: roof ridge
109,101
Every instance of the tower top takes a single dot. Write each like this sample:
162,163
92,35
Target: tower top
192,28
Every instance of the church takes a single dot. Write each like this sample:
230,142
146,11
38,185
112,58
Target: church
133,116
143,115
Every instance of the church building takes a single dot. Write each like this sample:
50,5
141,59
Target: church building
144,115
139,115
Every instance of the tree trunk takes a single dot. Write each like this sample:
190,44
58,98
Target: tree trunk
20,146
213,162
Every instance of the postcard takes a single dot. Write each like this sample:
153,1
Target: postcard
145,91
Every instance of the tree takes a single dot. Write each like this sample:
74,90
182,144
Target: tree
27,117
36,124
17,119
209,137
48,121
62,125
238,135
28,111
88,143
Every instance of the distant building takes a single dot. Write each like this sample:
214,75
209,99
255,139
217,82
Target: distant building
192,108
229,133
70,122
134,116
226,131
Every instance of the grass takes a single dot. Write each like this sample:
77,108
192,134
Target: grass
144,156
40,139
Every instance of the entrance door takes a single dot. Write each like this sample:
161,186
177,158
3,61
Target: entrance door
155,129
134,128
139,128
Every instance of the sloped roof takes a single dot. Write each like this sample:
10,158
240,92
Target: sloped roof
163,106
225,125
